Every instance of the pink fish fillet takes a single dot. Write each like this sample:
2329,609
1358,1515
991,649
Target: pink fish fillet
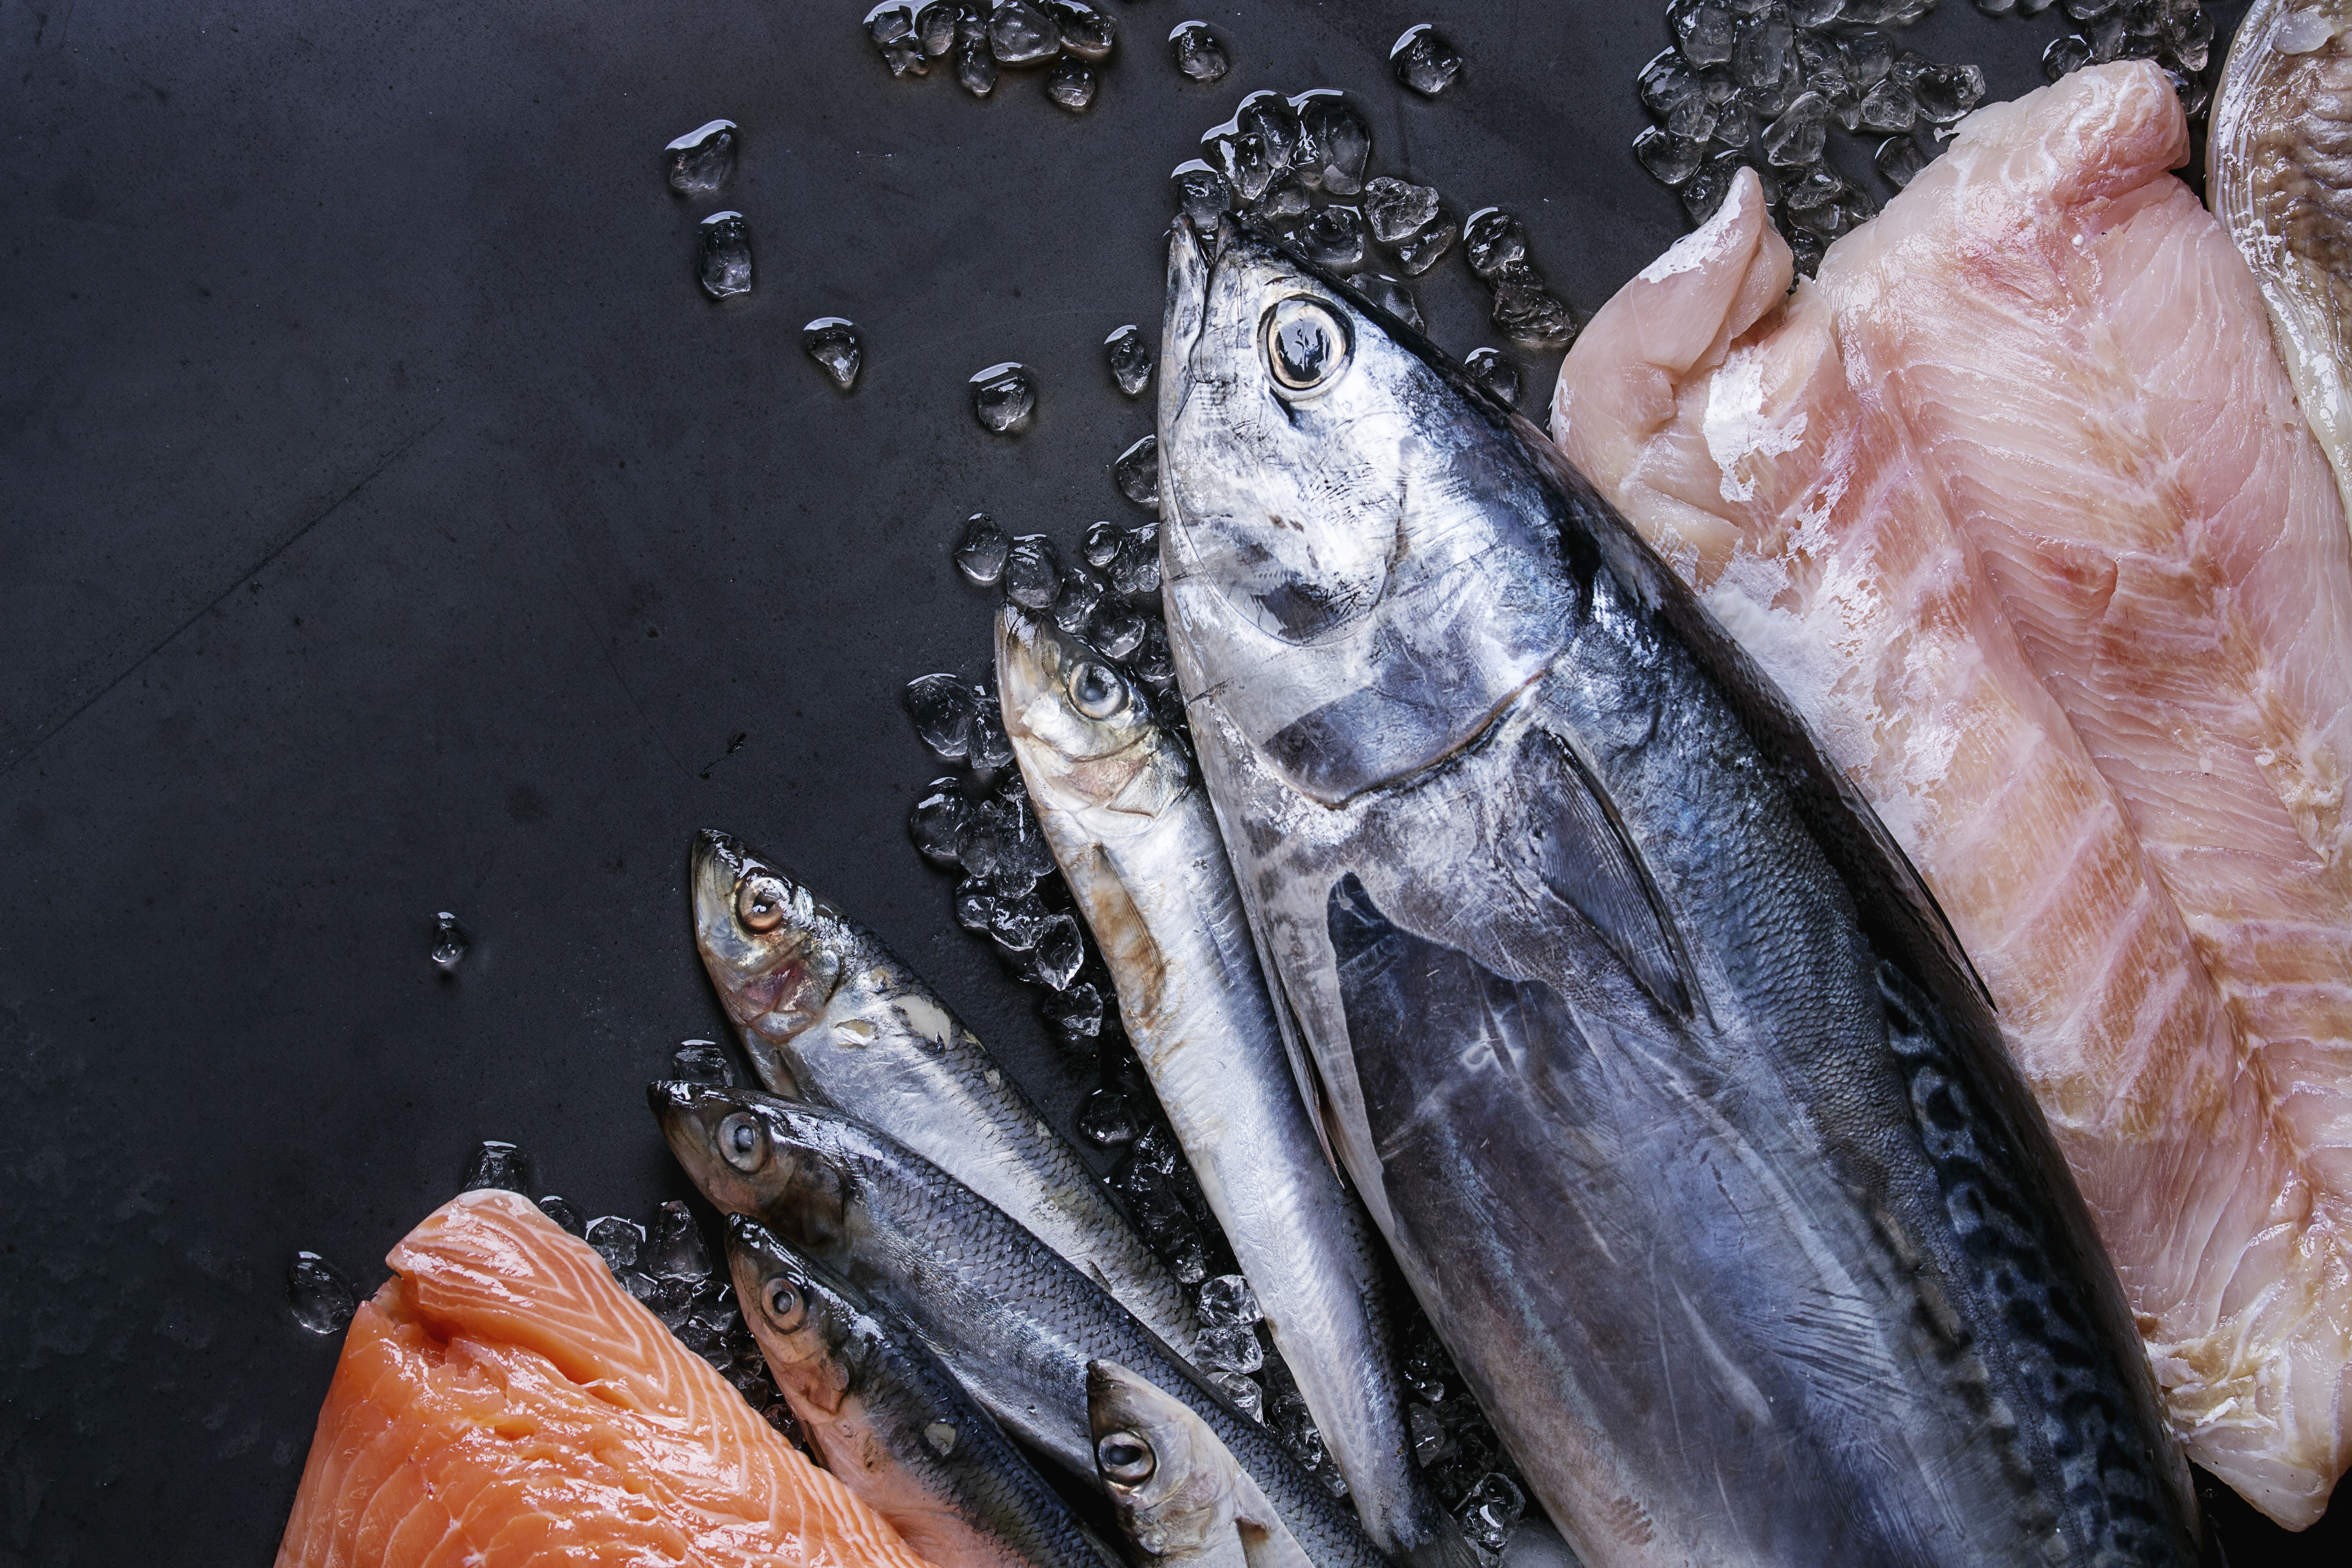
2016,503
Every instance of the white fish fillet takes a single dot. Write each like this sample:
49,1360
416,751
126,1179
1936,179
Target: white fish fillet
2016,503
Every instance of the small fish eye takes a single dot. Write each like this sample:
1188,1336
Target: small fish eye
761,901
1305,343
742,1141
1097,691
785,1305
1125,1458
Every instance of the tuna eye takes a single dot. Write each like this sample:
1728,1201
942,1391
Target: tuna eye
1305,343
1097,691
742,1141
786,1308
761,901
1126,1458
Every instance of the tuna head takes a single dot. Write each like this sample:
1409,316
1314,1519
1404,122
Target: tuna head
1172,1483
750,1155
813,1337
1360,559
772,948
1083,729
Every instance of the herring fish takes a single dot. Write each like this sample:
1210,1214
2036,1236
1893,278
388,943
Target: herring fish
893,1424
830,1016
1675,1097
1137,840
1010,1316
1179,1496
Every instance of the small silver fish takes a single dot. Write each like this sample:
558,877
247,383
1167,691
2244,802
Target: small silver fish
830,1016
1179,1496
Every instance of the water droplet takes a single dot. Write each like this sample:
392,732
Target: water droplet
1071,83
1085,31
448,942
726,255
1246,1395
1492,240
563,1211
1236,1349
1105,1120
702,1061
618,1241
1135,570
1004,398
1424,61
1137,472
1420,252
1395,298
1203,195
937,819
320,1297
1495,373
1396,209
1130,356
1076,1013
832,342
1335,142
1019,34
497,1165
1033,575
1061,952
1227,1301
1198,53
942,709
676,1249
703,159
976,68
1333,238
980,555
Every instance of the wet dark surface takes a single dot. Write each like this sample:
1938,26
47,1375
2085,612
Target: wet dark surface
392,525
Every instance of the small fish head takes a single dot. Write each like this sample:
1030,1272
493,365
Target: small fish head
806,1326
1169,1479
772,947
755,1155
1082,727
1361,559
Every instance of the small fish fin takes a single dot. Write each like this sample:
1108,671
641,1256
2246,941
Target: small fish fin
1580,850
1267,1542
1312,1091
1095,1269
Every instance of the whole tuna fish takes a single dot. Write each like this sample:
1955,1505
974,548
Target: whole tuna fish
894,1424
829,1014
1010,1316
1137,839
1643,1046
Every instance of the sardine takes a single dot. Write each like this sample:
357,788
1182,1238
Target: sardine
893,1424
1137,840
1646,1050
830,1016
1179,1493
2279,175
1010,1316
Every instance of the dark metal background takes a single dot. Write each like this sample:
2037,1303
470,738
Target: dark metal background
390,525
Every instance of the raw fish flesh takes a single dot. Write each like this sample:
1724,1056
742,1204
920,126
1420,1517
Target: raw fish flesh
2015,501
503,1400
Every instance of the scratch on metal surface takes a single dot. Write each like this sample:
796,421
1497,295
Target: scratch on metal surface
280,548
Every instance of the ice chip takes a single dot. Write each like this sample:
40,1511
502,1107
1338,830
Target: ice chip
1076,1013
674,1248
1151,661
1071,83
1493,239
1129,350
1137,472
1019,34
1394,297
1899,160
942,709
1761,48
563,1211
1888,108
1203,195
1135,570
890,21
1286,198
1235,1349
1246,1395
1074,606
1431,1442
935,28
1227,1301
1103,540
1424,61
1704,32
1526,312
1268,115
1335,143
990,747
1815,12
702,160
1004,398
1947,93
975,904
1490,370
1018,922
1492,1511
980,553
975,67
1245,160
449,942
1105,1120
832,342
1033,573
1396,209
1797,137
1198,53
1670,159
702,1061
1333,238
317,1294
1419,252
497,1165
1117,630
726,255
618,1241
1086,31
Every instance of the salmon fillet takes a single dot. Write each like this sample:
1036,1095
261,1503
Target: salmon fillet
503,1400
2016,504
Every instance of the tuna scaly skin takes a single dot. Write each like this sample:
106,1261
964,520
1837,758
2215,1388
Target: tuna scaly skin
1010,1316
830,1016
894,1424
1137,842
1648,1052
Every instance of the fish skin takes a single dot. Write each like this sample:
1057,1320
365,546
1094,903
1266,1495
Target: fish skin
1677,1103
830,1014
1010,1316
1137,841
893,1424
1194,1504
